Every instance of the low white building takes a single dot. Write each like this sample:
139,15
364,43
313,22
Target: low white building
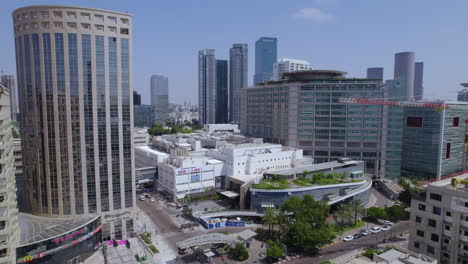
141,137
289,65
148,157
210,128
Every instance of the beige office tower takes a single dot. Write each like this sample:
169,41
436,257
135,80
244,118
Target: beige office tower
74,70
9,232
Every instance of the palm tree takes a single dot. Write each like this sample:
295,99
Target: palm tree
269,218
357,208
282,220
343,214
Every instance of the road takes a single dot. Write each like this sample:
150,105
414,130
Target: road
342,248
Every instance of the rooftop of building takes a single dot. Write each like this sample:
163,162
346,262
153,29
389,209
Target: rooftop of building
326,166
34,228
151,150
25,8
399,255
447,183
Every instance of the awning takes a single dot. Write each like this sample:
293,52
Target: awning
229,194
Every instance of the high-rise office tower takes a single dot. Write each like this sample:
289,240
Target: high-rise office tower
418,91
9,82
160,98
375,73
265,57
463,94
288,65
136,98
9,226
404,71
238,70
74,68
222,92
207,86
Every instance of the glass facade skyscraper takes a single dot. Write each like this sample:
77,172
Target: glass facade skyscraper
75,86
238,70
222,109
266,55
160,98
207,86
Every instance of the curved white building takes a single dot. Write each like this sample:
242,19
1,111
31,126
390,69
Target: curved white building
74,68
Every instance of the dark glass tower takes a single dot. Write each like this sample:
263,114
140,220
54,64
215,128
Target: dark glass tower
222,91
265,57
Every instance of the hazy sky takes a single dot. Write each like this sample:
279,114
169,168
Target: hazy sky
348,35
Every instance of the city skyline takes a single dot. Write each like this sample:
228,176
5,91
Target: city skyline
413,31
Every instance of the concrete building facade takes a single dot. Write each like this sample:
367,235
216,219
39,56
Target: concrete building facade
418,80
265,56
238,78
9,227
74,68
207,86
439,222
9,82
160,98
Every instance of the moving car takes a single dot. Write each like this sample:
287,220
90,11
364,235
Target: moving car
385,228
348,238
387,223
375,229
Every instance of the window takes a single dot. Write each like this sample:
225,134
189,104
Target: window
416,244
447,151
435,196
420,233
465,233
447,228
432,222
446,241
465,247
456,121
412,121
436,210
435,237
430,249
422,207
446,255
418,219
448,213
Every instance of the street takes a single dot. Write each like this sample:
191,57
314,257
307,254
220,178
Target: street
342,248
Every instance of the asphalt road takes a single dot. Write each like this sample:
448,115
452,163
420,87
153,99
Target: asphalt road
342,248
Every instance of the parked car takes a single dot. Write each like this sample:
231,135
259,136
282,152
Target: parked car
153,200
357,235
385,228
365,232
142,198
375,229
348,238
387,223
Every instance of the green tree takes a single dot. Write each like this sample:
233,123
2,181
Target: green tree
269,219
342,215
282,220
239,252
274,252
405,196
358,209
326,262
375,213
396,212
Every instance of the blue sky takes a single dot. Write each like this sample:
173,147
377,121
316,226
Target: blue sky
348,35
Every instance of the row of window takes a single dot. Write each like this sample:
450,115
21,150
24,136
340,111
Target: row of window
69,14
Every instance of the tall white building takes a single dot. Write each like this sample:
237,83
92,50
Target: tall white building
289,65
9,229
74,68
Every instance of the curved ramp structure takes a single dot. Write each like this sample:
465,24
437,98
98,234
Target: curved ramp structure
211,238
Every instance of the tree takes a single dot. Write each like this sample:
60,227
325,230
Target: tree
375,213
274,252
396,212
343,215
357,208
326,262
239,252
269,218
282,220
405,196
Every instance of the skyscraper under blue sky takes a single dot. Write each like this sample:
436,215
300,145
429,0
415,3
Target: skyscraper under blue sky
265,56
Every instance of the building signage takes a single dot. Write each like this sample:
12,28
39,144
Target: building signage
226,224
189,170
74,234
30,258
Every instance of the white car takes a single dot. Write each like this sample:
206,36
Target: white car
385,228
153,200
365,233
387,223
348,238
375,229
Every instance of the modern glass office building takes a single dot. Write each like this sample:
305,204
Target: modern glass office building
265,56
160,98
207,86
238,71
304,111
143,115
222,103
74,68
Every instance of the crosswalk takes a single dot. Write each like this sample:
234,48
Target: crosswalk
168,234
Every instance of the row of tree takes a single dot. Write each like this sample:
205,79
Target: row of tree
158,130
